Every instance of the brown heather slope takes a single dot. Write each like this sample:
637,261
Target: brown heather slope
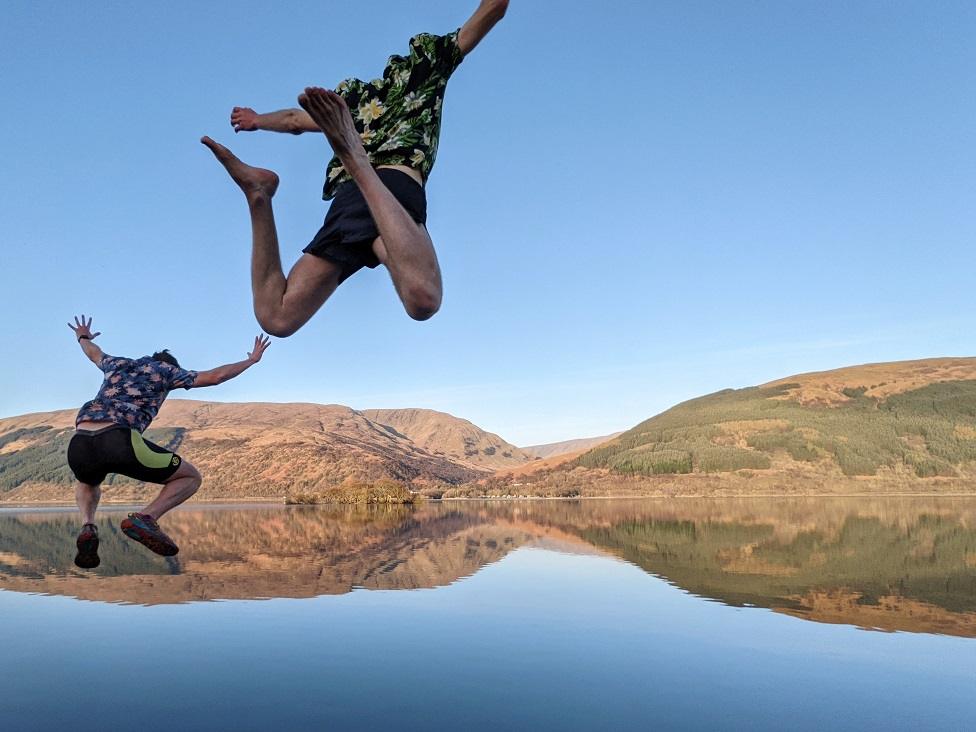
457,439
880,379
259,450
565,447
538,465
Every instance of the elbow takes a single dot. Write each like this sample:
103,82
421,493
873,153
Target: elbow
293,123
497,8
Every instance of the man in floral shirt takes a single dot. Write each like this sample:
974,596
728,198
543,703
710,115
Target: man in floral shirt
108,438
384,134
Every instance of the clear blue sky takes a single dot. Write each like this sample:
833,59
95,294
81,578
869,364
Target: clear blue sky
634,203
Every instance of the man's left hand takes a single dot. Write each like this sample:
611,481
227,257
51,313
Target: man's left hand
83,329
261,342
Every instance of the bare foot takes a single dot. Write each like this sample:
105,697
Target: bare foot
255,182
330,113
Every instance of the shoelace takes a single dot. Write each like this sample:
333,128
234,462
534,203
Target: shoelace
148,520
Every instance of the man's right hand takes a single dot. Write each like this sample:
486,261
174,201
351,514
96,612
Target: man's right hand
244,119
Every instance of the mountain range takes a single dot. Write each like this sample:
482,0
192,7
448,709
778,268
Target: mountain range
555,449
902,426
266,450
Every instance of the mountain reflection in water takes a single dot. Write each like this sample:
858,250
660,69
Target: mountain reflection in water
904,564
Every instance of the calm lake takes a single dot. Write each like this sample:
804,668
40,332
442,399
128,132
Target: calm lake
759,614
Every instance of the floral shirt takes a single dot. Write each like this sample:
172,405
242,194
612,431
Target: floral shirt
133,391
398,116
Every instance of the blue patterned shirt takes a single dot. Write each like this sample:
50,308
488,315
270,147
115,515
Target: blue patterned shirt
133,391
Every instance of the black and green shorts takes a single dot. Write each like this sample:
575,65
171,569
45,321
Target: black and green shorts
94,454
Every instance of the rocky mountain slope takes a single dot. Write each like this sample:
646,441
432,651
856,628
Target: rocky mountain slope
443,434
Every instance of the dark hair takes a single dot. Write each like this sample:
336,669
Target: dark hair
166,357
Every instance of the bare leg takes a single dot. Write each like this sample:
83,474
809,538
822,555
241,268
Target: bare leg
183,484
409,253
87,497
282,305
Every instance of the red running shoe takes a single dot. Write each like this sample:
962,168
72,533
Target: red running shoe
87,544
143,528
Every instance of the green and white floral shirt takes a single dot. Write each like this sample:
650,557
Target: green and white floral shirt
398,116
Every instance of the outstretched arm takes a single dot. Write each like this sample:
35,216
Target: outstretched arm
477,26
85,339
228,371
295,121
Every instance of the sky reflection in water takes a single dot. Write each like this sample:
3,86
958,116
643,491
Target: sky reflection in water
522,615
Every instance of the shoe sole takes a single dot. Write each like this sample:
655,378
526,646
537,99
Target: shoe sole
149,541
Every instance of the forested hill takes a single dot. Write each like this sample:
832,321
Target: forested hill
909,418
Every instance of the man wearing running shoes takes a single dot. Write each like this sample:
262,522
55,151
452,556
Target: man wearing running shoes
108,438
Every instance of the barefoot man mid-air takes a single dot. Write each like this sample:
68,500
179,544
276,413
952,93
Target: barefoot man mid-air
384,150
108,438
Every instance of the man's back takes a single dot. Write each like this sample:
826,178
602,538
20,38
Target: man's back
133,390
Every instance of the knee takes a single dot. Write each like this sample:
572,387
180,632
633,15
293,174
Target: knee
276,325
191,473
421,303
422,313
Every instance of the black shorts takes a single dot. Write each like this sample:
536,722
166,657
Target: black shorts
346,238
117,449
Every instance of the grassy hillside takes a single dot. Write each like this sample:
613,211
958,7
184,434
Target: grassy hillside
855,425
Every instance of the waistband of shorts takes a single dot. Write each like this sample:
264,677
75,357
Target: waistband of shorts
92,433
389,176
395,174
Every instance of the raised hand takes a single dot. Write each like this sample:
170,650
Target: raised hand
261,342
83,329
243,119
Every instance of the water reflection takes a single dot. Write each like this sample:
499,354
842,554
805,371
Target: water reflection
889,564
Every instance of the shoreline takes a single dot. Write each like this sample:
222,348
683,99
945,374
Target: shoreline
280,501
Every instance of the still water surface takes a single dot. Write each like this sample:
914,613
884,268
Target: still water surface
590,615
